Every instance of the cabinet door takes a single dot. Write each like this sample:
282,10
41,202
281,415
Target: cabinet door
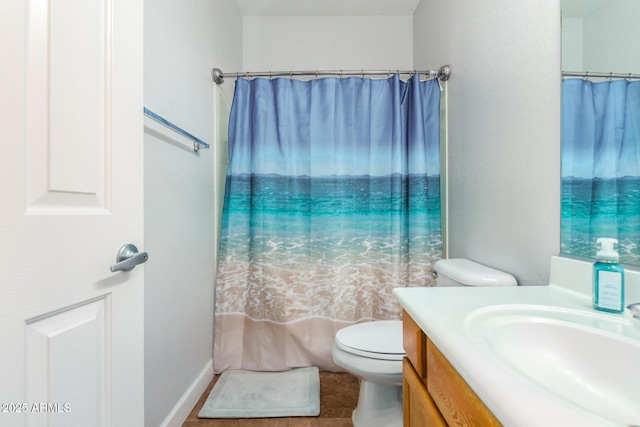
457,402
414,343
419,408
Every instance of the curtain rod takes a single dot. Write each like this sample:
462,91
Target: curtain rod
587,74
443,73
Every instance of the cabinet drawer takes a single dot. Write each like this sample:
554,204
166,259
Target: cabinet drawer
457,402
414,343
418,407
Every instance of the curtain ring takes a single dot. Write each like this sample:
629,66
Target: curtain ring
316,74
270,76
362,71
610,76
247,75
341,74
586,75
629,79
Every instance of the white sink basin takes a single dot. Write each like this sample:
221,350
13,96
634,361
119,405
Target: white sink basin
587,359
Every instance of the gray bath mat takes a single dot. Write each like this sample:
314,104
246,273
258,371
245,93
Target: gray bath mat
249,394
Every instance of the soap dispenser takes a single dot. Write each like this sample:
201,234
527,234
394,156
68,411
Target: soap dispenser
608,278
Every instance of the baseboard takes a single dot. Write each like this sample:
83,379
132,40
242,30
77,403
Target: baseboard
183,408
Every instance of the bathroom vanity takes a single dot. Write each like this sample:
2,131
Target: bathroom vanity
520,356
434,394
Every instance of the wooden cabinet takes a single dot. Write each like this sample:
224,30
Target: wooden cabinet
434,393
419,409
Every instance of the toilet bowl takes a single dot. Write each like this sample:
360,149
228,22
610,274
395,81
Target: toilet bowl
373,351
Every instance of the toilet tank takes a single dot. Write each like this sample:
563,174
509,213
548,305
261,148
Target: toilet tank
464,272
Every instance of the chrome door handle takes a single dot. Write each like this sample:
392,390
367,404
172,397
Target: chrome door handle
128,257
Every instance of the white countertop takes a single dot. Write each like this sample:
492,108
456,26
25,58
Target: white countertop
441,313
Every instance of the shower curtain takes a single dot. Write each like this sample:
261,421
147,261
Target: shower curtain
332,199
601,166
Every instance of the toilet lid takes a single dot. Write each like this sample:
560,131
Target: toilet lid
380,339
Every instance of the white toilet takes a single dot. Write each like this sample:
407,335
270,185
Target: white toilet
373,351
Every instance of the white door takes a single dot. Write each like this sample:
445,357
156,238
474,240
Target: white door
71,193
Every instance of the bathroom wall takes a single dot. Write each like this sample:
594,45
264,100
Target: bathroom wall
183,41
610,34
504,128
572,50
327,42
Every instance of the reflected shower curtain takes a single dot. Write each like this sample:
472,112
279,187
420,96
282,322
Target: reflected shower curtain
601,166
332,199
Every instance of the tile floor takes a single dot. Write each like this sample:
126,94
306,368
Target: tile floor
338,399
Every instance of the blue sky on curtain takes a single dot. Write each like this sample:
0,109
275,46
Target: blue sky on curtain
601,166
332,200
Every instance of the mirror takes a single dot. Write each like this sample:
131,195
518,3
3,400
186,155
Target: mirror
601,127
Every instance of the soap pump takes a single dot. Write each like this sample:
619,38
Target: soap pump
608,278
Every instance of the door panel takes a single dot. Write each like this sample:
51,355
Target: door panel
67,121
71,193
68,365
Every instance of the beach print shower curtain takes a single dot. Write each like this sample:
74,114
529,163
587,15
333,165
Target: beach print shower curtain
601,166
332,200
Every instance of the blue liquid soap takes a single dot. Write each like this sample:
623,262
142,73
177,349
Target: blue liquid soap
608,279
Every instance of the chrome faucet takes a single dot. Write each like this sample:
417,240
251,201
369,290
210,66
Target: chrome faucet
635,309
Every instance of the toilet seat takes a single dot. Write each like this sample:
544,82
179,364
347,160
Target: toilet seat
381,339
